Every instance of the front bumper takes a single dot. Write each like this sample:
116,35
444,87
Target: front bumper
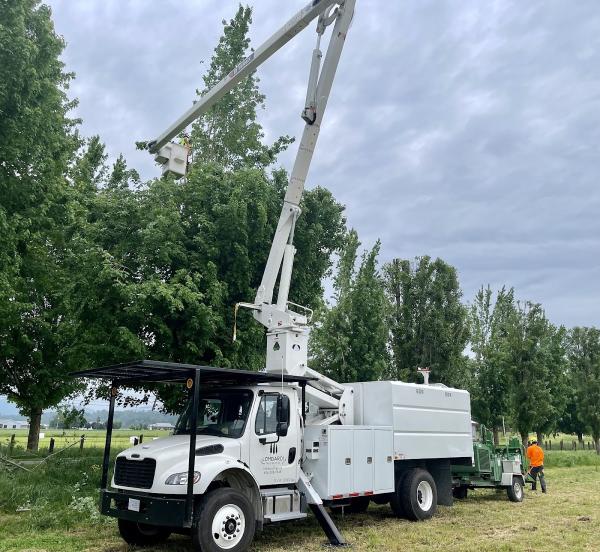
168,511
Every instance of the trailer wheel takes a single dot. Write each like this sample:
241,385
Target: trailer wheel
140,534
358,505
224,520
418,495
515,491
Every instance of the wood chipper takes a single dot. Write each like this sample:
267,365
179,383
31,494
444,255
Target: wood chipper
493,467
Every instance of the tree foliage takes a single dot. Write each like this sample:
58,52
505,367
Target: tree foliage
584,357
490,327
349,341
428,322
37,143
229,133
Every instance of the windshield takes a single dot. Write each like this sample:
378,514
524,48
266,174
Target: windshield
221,413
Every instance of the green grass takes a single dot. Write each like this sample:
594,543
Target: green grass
93,438
62,516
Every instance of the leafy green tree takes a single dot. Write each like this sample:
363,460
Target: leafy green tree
584,360
229,134
349,342
37,142
161,267
538,360
68,417
490,326
428,322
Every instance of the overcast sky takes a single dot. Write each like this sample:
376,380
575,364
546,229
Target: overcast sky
466,130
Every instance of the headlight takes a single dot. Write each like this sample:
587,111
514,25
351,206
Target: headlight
181,478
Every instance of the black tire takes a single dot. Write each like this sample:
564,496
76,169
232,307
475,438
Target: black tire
226,504
396,497
516,491
418,494
461,492
140,534
358,505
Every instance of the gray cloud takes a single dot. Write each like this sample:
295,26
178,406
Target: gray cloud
468,130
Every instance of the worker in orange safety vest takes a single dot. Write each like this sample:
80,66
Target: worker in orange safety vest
535,454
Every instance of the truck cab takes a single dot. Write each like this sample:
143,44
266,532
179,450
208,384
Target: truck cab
254,429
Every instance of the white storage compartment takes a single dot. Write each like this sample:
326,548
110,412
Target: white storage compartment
429,421
346,461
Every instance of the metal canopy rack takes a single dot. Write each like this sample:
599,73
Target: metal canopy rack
192,375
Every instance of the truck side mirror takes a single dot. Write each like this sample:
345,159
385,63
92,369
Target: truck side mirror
283,415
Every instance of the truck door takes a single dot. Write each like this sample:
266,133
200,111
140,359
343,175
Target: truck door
274,434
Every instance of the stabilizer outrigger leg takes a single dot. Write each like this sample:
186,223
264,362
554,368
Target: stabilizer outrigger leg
316,505
326,523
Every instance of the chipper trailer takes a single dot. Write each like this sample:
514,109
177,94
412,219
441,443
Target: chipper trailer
494,467
255,448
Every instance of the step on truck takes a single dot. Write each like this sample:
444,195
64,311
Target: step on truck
254,448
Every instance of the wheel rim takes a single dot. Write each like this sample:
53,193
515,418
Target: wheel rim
518,489
228,526
424,495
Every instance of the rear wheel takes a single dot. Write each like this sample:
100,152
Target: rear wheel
396,498
515,491
141,534
224,520
418,495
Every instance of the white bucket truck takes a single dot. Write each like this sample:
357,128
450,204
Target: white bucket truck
254,448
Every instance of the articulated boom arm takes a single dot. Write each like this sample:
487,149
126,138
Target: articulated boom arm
298,22
287,330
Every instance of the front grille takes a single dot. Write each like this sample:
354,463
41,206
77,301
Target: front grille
138,474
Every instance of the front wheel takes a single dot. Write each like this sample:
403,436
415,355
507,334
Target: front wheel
141,534
515,491
224,520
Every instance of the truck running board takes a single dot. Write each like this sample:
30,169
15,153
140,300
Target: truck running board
285,516
326,523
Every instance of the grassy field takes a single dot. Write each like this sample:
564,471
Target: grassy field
93,438
58,513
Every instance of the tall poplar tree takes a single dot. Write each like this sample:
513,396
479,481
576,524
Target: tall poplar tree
229,133
349,340
584,360
428,322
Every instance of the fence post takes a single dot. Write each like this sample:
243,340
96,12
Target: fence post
135,441
561,444
550,447
51,447
141,438
574,447
11,446
81,441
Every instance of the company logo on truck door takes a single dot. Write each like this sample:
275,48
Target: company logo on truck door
274,460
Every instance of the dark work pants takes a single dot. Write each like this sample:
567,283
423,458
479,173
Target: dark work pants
536,472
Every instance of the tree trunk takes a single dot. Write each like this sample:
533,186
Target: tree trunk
35,422
597,443
496,436
539,437
524,438
580,437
